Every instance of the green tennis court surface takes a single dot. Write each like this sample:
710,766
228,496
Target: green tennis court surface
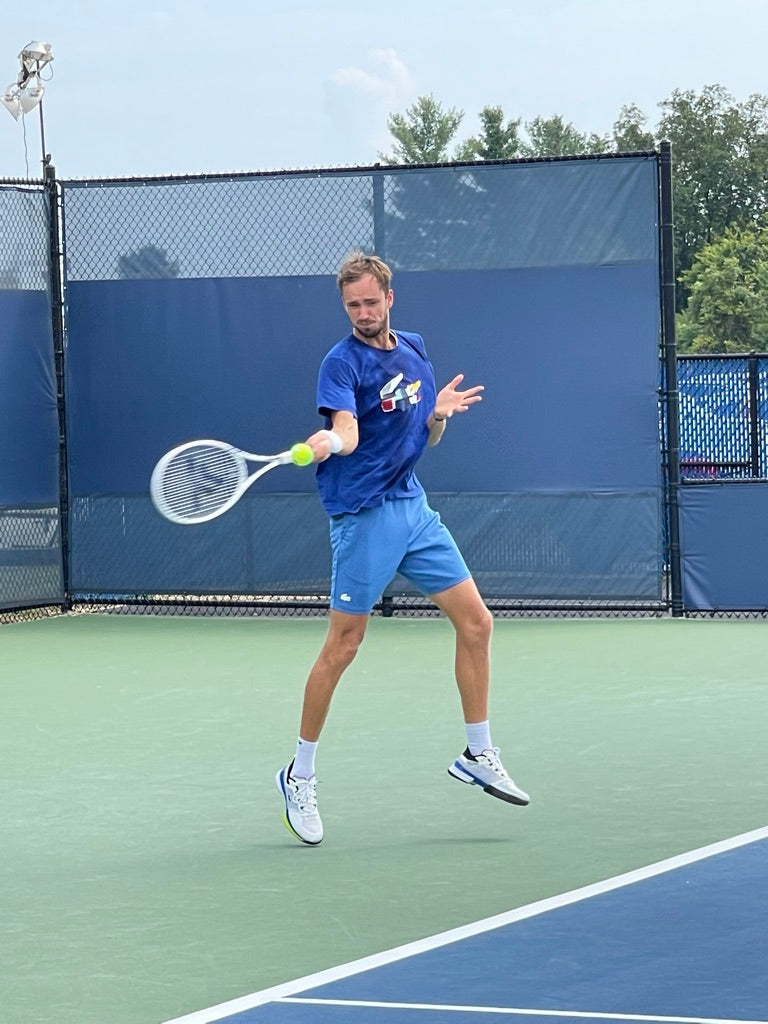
145,872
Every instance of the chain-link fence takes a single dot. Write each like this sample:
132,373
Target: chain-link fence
298,225
236,227
303,223
723,417
24,238
200,304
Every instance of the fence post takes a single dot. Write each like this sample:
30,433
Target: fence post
670,392
379,231
754,415
56,276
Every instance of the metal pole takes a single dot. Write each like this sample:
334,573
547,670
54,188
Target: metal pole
754,415
670,392
57,278
46,156
379,235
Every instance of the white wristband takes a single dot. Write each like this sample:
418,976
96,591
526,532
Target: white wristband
336,443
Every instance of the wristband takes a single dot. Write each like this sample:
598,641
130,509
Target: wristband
336,443
439,419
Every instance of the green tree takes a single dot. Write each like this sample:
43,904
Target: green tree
552,136
148,261
719,158
422,135
629,134
727,285
496,141
720,165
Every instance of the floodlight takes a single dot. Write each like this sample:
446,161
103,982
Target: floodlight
10,100
35,53
26,93
31,94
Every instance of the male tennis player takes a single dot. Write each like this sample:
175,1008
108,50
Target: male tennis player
377,390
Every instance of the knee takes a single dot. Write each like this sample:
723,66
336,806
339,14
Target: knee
348,646
342,646
478,627
486,624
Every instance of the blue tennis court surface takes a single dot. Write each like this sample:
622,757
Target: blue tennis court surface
684,941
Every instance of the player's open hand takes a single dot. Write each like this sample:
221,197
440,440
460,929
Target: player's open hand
451,400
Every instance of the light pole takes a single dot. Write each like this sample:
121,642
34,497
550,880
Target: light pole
26,93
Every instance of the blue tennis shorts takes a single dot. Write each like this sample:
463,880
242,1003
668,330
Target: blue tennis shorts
404,536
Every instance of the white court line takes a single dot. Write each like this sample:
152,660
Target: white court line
367,963
519,1012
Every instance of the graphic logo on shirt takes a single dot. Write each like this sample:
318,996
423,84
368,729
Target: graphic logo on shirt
395,397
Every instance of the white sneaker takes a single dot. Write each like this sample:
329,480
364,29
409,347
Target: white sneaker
300,796
486,770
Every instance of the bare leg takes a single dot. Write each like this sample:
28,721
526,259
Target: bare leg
345,634
473,623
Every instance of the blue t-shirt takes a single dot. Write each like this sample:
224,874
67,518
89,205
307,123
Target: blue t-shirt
391,393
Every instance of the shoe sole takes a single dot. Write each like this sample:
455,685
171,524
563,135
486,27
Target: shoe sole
286,820
457,772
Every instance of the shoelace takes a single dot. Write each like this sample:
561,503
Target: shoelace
491,758
304,794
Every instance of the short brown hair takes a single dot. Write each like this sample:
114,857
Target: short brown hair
358,264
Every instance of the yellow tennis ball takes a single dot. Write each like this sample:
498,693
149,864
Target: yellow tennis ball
302,454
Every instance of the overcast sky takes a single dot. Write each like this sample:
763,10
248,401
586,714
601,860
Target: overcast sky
152,87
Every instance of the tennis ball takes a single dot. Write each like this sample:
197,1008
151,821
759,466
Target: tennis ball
302,454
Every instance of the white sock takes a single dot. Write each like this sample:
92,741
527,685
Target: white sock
478,737
304,762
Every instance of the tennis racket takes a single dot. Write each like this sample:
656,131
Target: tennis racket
201,480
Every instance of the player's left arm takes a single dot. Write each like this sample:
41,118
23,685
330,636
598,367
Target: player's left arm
449,401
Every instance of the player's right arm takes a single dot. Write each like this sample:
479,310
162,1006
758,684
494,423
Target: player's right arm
341,439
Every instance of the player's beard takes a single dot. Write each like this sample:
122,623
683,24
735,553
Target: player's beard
374,330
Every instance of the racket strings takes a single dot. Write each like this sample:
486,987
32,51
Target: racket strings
201,480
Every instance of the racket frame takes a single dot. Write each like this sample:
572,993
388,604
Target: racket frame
156,489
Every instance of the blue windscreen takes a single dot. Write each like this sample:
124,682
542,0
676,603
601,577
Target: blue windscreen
31,570
540,281
29,463
724,546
